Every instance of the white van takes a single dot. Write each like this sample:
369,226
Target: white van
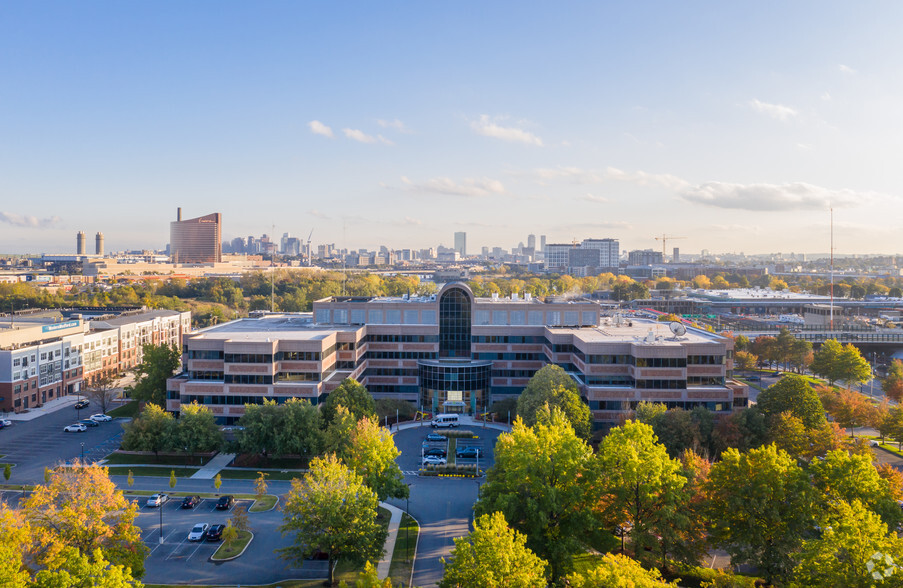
444,420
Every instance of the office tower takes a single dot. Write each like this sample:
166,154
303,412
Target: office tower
98,244
531,241
196,240
461,243
81,243
644,257
608,251
675,257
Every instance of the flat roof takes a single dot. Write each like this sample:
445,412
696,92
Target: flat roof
746,294
279,326
637,332
138,317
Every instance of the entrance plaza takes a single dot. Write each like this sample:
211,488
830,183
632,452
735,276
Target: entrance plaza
452,352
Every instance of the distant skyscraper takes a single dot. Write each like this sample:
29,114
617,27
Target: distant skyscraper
461,243
98,244
196,240
675,257
81,243
531,241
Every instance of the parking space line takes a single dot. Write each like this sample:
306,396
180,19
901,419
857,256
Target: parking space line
160,544
179,546
200,543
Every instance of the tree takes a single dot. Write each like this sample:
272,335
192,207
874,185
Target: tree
260,424
893,382
761,505
744,360
76,569
331,510
850,538
553,387
678,430
337,437
81,508
130,480
824,361
800,355
372,456
742,430
14,542
793,394
230,533
539,482
369,578
153,430
893,425
239,520
494,556
172,478
159,362
650,412
353,396
260,485
642,489
217,481
618,571
850,410
197,430
741,343
299,429
7,471
102,390
851,367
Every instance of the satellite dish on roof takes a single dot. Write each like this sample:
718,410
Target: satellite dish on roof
678,329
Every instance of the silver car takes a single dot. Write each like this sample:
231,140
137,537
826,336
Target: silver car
198,532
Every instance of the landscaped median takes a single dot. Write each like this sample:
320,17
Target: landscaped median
452,470
232,549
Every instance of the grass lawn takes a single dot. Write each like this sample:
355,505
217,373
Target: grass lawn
265,503
160,471
249,460
129,409
452,444
403,557
233,548
253,475
891,448
119,458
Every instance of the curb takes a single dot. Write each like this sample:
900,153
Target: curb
416,545
275,504
234,556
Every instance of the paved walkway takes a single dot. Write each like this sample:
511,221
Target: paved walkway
209,471
389,548
48,407
463,421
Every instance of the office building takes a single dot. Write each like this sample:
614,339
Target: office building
98,244
645,257
196,240
81,243
557,256
461,243
452,352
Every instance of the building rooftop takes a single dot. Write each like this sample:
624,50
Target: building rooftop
129,318
275,326
640,332
745,294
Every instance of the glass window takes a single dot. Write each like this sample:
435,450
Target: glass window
553,317
499,317
357,316
322,315
518,317
375,317
481,317
589,317
570,317
454,323
340,315
393,317
428,317
534,317
410,317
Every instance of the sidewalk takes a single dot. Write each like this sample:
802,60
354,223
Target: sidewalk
389,548
463,421
213,467
48,407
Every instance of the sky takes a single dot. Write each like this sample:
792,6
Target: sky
735,126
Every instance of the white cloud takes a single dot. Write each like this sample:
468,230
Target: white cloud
576,175
646,179
411,221
466,187
394,124
775,111
772,197
826,96
617,225
486,127
316,213
318,128
362,137
594,198
28,221
846,69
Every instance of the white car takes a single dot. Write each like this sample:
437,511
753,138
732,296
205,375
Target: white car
101,418
5,423
198,532
434,460
76,428
157,500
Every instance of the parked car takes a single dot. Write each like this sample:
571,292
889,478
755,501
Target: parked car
89,423
101,418
225,502
81,404
435,452
436,438
191,501
75,428
215,532
776,374
434,460
753,378
5,423
157,500
468,452
198,532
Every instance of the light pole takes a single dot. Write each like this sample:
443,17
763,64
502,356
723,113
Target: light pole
160,506
83,454
407,527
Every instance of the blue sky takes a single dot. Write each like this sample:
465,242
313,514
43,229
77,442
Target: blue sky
735,125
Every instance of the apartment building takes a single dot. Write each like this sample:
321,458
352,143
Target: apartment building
452,352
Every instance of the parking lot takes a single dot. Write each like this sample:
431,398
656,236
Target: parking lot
411,443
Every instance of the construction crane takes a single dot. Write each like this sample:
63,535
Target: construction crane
664,239
310,254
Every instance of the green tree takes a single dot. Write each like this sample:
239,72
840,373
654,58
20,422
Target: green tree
7,471
153,430
353,396
337,437
260,423
260,485
14,543
299,431
76,569
331,510
217,482
239,520
372,456
679,430
800,354
851,367
824,361
130,480
493,556
618,571
172,478
230,533
893,382
741,430
851,536
539,482
101,390
744,360
761,506
158,363
650,412
553,387
643,490
793,394
197,430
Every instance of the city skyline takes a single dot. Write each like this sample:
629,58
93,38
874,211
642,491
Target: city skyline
733,126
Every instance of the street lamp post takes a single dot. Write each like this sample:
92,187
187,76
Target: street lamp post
83,453
407,527
160,506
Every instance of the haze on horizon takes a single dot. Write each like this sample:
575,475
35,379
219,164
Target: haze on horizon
733,125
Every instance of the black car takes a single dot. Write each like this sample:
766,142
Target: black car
435,451
89,423
215,532
225,502
468,452
191,501
81,404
